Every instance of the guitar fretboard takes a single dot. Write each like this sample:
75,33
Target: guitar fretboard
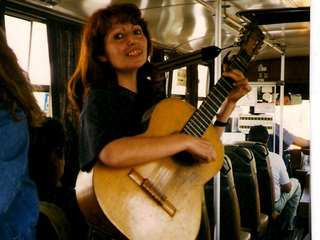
203,116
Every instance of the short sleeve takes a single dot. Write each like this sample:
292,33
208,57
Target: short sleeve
283,174
107,115
96,119
288,137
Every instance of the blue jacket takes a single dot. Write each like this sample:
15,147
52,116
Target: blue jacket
19,204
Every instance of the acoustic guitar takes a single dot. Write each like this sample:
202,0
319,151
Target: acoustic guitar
162,199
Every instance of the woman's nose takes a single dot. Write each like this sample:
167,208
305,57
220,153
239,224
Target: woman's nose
132,39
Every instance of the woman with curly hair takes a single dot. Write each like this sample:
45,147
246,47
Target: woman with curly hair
111,91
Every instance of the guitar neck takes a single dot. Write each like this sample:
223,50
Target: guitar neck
203,116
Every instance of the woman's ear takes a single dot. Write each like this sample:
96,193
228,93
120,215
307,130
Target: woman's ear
58,165
102,58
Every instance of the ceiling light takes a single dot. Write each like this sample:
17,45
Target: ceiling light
46,3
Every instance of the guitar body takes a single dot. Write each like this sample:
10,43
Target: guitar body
111,197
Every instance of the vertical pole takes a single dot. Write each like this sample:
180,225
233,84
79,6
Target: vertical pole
281,103
217,72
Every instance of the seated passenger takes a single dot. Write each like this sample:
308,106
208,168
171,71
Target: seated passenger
287,191
46,164
288,138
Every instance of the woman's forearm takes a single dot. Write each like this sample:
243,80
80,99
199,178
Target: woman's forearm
223,115
131,151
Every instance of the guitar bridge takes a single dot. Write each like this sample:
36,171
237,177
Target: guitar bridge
153,192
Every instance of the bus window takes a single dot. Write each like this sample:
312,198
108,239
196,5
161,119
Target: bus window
179,80
28,39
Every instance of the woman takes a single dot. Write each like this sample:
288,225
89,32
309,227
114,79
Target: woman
110,91
19,204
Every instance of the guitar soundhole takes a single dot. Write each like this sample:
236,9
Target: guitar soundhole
184,159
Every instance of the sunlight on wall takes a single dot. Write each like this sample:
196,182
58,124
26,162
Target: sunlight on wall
296,118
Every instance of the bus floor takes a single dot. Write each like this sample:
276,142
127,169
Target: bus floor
301,229
300,232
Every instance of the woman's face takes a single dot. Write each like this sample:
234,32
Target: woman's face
125,46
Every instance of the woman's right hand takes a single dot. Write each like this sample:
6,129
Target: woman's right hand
200,148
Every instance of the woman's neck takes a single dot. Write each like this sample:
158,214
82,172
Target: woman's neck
128,80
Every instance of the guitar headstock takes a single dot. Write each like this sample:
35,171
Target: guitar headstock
250,39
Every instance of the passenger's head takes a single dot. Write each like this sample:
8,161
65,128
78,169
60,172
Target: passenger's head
46,153
258,134
286,99
15,88
95,63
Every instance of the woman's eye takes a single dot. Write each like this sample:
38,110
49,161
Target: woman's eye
118,36
137,32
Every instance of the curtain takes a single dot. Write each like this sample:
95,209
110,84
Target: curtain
64,46
192,85
2,17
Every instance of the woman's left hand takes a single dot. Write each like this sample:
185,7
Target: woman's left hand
240,85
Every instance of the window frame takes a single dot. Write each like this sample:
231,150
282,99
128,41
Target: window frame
38,88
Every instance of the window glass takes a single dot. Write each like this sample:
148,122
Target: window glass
28,40
43,100
203,81
39,69
18,38
179,80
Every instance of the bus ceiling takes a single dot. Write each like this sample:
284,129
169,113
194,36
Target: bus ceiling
187,25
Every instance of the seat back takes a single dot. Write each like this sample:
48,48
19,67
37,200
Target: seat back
264,176
246,183
53,223
296,160
230,222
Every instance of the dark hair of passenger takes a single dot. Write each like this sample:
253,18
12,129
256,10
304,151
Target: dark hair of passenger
286,94
90,70
15,87
258,134
45,140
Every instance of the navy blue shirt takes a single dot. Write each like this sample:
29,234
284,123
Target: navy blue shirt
109,114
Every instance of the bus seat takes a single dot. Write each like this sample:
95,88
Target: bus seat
245,235
53,223
264,176
300,167
246,183
296,160
230,222
304,205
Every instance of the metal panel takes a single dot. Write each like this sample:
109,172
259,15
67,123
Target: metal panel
186,25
